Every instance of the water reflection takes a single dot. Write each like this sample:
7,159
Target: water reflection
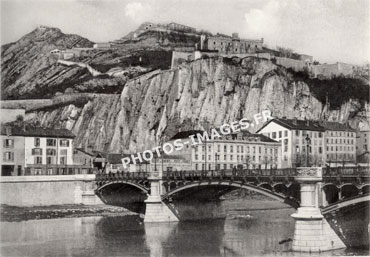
256,235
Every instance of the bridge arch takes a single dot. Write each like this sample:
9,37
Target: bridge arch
358,199
263,188
332,192
127,194
365,189
348,190
138,186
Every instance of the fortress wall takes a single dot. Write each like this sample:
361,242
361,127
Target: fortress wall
296,65
180,57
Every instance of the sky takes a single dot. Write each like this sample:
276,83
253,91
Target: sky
329,30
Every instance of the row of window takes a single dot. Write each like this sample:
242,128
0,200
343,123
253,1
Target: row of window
339,156
339,141
340,134
279,134
298,149
304,142
228,46
238,148
50,160
9,143
49,151
340,148
52,142
227,166
238,158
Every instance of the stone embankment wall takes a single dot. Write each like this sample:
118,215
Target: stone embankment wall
48,190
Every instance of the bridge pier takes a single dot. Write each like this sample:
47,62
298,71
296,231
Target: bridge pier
156,210
312,232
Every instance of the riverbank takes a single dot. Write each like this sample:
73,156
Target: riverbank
14,213
237,202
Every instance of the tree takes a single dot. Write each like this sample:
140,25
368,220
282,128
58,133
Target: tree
285,52
265,161
248,160
19,118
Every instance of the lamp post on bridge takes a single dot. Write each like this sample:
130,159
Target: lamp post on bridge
216,156
308,143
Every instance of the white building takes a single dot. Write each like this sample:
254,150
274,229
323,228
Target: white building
363,144
291,134
241,150
31,150
102,45
331,143
164,162
340,143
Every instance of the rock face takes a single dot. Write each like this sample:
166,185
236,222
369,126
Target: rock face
29,71
199,95
25,64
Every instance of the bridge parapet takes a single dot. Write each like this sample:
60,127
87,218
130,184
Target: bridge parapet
336,176
140,178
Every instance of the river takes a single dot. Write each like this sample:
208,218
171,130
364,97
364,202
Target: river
258,234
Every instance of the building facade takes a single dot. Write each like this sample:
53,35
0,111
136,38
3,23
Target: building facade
340,143
164,163
292,135
310,142
12,154
363,144
241,150
29,150
227,44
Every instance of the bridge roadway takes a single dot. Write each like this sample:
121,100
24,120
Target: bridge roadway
275,183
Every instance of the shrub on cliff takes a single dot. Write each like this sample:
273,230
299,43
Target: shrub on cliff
337,90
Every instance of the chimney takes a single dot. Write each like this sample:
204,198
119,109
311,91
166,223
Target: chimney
295,121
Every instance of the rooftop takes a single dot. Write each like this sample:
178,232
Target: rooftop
115,158
309,125
244,134
329,125
186,134
21,129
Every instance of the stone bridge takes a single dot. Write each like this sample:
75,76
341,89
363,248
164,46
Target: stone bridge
337,183
311,190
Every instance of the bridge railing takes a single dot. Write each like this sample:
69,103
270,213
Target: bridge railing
332,172
231,173
122,175
346,171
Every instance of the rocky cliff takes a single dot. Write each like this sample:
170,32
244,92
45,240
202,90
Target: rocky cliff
30,71
197,95
25,64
